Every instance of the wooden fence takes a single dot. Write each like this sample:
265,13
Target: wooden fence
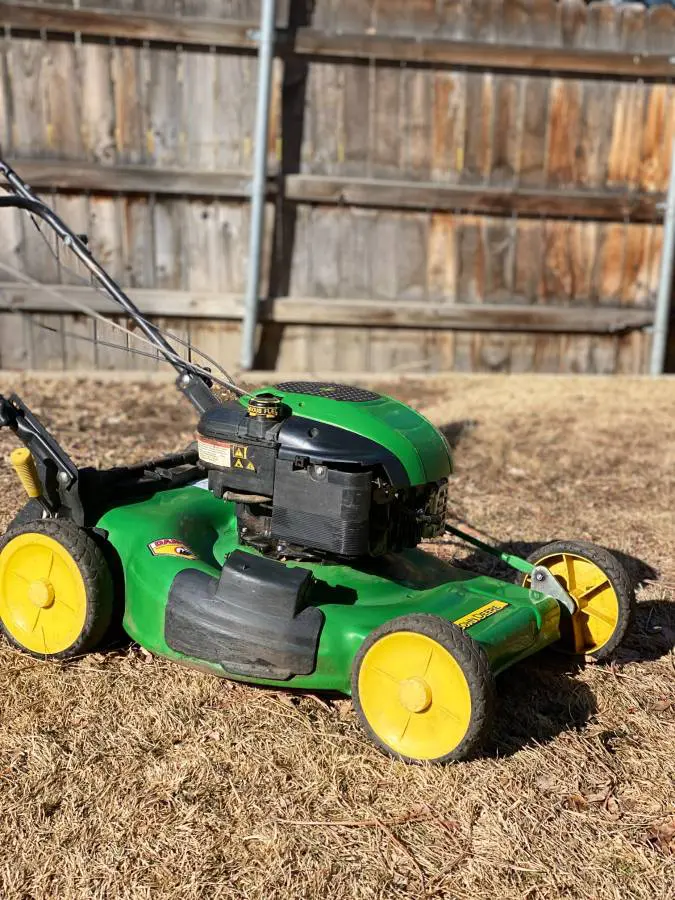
454,184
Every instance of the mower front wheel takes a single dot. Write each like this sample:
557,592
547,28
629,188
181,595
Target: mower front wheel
423,689
602,590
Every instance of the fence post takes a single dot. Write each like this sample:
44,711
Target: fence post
259,181
665,292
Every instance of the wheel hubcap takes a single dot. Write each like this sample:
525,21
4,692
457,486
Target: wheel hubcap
415,694
41,593
43,598
597,615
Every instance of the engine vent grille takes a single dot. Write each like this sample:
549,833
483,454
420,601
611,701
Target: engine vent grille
329,389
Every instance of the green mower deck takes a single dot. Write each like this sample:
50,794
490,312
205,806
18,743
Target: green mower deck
508,621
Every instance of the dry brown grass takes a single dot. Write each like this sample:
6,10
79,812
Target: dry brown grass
124,776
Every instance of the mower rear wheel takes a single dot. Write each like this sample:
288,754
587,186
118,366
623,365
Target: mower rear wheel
56,591
31,511
423,689
600,585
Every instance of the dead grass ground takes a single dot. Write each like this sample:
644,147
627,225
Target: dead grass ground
123,776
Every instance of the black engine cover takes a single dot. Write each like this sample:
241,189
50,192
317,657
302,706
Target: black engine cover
239,451
305,485
322,508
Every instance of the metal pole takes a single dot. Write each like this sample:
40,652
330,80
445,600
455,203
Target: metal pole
259,182
664,296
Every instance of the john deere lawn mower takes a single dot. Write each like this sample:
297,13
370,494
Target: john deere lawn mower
283,548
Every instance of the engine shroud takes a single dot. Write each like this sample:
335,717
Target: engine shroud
326,468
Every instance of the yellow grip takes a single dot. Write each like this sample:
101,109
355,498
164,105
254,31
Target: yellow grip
24,466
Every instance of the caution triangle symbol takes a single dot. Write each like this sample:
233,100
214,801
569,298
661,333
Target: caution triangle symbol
238,464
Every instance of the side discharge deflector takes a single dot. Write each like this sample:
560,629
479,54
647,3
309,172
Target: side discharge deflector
254,620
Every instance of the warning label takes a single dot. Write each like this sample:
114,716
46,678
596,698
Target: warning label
218,453
224,454
245,464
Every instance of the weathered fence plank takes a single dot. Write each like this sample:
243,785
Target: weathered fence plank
480,50
196,304
506,199
476,184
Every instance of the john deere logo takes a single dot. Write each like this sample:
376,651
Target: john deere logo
473,618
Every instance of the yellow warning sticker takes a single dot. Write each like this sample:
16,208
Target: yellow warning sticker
170,547
244,464
240,452
483,612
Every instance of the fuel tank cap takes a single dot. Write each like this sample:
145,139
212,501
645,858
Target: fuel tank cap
266,406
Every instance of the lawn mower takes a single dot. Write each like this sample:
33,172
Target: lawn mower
282,548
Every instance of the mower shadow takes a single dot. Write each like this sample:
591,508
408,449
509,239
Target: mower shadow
537,701
652,635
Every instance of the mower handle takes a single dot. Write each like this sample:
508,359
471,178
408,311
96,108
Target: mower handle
58,474
194,386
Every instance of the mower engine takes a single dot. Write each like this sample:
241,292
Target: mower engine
305,485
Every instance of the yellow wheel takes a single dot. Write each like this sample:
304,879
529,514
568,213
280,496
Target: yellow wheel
55,589
423,689
602,589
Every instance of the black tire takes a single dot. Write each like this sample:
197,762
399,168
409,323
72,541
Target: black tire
31,511
617,576
474,665
98,585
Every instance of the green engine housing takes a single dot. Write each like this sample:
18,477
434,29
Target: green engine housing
418,445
